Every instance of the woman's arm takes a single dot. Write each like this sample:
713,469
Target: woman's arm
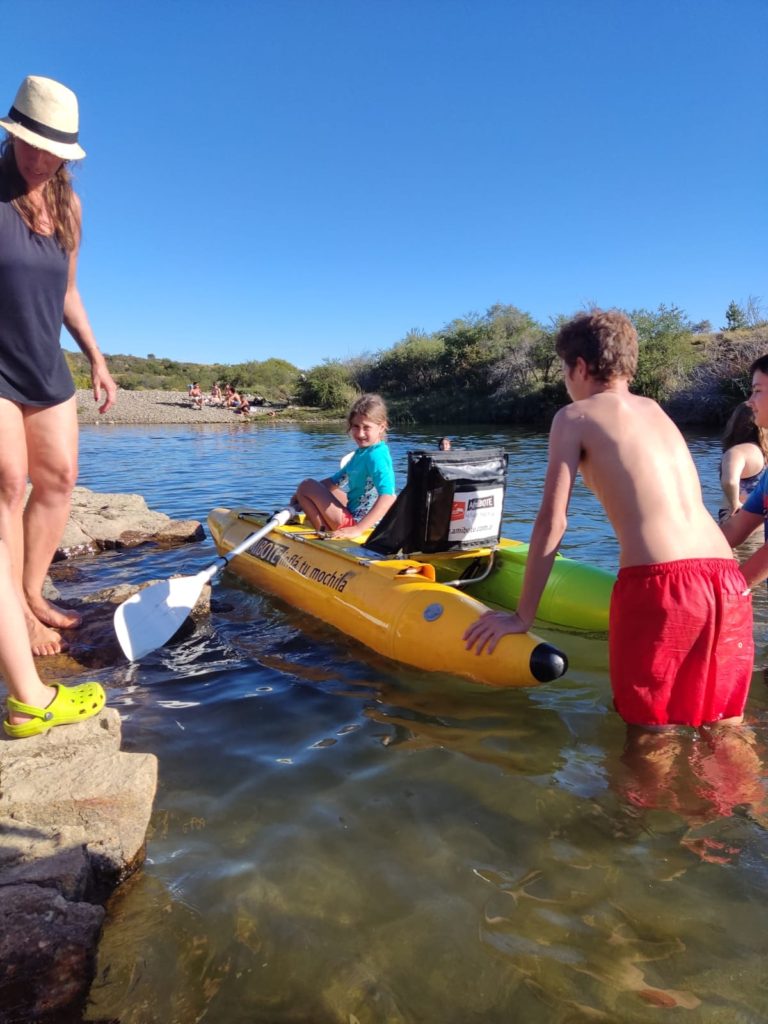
76,322
731,469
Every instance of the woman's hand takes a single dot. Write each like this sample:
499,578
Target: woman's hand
101,380
485,632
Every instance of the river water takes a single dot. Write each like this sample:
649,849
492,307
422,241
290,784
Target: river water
339,838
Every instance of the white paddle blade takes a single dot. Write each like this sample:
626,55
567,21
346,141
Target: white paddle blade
150,617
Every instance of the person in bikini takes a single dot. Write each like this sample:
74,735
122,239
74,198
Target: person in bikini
680,628
196,395
369,474
754,511
745,453
40,228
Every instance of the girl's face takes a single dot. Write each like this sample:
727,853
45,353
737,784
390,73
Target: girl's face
35,165
365,432
758,400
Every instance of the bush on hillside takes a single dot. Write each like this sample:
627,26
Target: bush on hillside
327,387
665,355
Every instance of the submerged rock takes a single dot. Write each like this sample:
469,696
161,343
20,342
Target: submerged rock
94,644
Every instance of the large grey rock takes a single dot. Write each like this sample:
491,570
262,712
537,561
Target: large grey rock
74,811
77,777
99,522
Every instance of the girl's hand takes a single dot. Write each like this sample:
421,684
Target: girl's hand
346,531
485,632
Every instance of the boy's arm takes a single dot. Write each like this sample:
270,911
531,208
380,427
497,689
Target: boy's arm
565,452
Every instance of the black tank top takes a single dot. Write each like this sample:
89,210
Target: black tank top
33,283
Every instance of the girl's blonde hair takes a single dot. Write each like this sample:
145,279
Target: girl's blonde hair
373,407
58,197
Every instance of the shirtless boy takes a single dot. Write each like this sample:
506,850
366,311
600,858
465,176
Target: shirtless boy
680,628
751,514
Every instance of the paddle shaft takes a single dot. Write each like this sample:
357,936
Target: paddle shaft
278,519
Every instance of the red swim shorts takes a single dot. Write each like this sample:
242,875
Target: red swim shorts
347,519
680,642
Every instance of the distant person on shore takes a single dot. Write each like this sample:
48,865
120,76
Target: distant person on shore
444,444
754,511
369,474
196,395
745,453
680,633
231,397
245,406
40,227
216,395
34,707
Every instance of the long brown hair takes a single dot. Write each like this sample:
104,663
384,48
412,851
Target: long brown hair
742,429
58,199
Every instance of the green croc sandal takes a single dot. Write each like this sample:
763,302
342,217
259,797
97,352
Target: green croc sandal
71,704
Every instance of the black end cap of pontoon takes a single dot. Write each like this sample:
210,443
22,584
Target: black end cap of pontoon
547,663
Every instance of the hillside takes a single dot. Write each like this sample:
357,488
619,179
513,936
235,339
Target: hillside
273,379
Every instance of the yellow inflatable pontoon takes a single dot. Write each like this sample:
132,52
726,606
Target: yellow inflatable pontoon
395,606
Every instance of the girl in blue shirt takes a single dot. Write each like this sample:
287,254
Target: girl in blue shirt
369,475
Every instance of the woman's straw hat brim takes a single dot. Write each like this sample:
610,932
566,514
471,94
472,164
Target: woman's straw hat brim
45,115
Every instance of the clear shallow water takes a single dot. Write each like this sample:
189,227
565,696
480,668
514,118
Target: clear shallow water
340,838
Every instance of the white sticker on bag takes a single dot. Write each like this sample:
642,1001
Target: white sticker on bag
476,515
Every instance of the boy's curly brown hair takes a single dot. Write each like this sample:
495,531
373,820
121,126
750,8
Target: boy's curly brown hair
605,339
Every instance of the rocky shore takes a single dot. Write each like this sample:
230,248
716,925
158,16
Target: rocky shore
74,807
166,407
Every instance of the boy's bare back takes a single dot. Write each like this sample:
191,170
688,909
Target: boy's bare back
634,459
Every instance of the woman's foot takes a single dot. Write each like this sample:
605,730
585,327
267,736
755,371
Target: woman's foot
67,706
38,694
43,640
50,614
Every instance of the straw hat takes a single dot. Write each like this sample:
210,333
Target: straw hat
44,114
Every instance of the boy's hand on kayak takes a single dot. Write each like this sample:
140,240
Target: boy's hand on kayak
485,633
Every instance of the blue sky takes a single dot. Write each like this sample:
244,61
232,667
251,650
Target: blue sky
311,179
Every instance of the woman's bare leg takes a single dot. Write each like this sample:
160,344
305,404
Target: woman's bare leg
16,660
13,484
51,435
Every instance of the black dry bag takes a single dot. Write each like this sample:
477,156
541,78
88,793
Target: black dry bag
452,501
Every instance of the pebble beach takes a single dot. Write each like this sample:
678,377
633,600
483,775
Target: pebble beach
163,407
